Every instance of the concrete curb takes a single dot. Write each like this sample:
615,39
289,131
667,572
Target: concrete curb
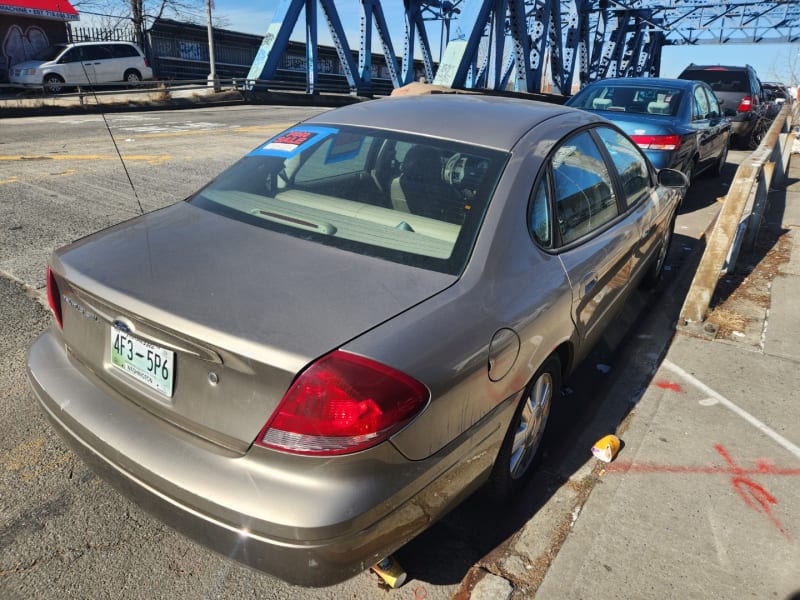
149,100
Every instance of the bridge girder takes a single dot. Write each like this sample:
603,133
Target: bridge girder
503,44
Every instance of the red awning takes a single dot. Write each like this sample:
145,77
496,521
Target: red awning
60,10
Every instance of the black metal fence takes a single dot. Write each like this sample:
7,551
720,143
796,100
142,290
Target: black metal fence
98,34
178,52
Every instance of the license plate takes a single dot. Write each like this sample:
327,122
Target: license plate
143,361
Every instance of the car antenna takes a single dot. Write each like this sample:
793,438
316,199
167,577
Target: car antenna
113,140
119,154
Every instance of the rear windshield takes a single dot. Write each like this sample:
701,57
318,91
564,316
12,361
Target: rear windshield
641,99
408,199
720,81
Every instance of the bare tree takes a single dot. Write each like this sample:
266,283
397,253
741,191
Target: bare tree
140,14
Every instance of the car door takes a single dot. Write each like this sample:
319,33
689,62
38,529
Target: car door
72,66
719,125
705,131
98,62
593,240
640,200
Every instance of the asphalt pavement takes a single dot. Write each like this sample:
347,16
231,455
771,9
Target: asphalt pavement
703,499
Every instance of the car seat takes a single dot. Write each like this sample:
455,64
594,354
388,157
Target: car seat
660,106
420,189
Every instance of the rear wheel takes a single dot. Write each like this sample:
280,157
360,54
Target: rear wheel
132,77
759,131
719,166
656,268
521,449
690,169
53,83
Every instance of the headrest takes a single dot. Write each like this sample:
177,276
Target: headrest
658,108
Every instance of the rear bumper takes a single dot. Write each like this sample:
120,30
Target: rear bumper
306,520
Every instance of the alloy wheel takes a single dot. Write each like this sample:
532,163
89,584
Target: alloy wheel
533,419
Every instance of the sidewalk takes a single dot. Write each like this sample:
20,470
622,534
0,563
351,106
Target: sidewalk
155,98
703,500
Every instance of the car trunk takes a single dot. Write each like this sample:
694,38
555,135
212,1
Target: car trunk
212,318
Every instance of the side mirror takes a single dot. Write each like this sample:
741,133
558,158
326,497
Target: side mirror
672,178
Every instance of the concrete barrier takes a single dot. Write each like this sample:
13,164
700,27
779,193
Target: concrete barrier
739,221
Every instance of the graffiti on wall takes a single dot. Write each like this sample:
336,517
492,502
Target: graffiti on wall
23,39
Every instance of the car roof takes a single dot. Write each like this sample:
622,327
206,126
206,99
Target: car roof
114,42
491,121
694,67
645,81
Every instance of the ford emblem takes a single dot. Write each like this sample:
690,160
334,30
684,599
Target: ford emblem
121,326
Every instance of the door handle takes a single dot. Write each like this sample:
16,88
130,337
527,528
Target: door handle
587,283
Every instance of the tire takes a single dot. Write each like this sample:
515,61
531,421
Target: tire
656,269
719,166
691,167
759,131
132,77
521,448
53,83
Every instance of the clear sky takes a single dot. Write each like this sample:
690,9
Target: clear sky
772,62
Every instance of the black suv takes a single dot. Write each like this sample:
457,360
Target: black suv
739,91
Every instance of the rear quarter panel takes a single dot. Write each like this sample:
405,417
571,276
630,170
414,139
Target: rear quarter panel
509,283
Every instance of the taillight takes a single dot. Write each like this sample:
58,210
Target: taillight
746,104
657,142
343,403
54,297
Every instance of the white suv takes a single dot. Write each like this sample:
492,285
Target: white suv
82,63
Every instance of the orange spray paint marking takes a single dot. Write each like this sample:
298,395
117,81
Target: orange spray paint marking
668,385
754,495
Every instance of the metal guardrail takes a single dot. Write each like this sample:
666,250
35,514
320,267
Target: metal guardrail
740,219
289,81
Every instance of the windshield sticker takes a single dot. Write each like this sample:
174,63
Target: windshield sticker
293,141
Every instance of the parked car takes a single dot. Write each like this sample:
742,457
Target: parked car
739,91
677,123
777,95
313,358
83,63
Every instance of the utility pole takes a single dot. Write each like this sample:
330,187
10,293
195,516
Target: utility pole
212,76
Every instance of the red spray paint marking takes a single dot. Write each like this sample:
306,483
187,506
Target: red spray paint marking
668,385
754,495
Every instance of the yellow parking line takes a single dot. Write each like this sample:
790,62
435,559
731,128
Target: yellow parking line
14,179
251,129
148,157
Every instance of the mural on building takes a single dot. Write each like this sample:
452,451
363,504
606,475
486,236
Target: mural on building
29,26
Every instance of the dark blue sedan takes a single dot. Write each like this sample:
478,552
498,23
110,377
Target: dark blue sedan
679,124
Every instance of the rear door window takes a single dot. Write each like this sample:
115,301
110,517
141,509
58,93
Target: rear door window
700,105
123,51
96,53
584,192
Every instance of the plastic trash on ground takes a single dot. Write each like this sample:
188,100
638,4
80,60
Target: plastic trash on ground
606,448
391,572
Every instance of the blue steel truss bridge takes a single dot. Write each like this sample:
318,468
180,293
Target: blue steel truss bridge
517,44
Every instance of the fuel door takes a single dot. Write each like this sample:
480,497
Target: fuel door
503,353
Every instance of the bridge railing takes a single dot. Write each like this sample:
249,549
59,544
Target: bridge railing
740,219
